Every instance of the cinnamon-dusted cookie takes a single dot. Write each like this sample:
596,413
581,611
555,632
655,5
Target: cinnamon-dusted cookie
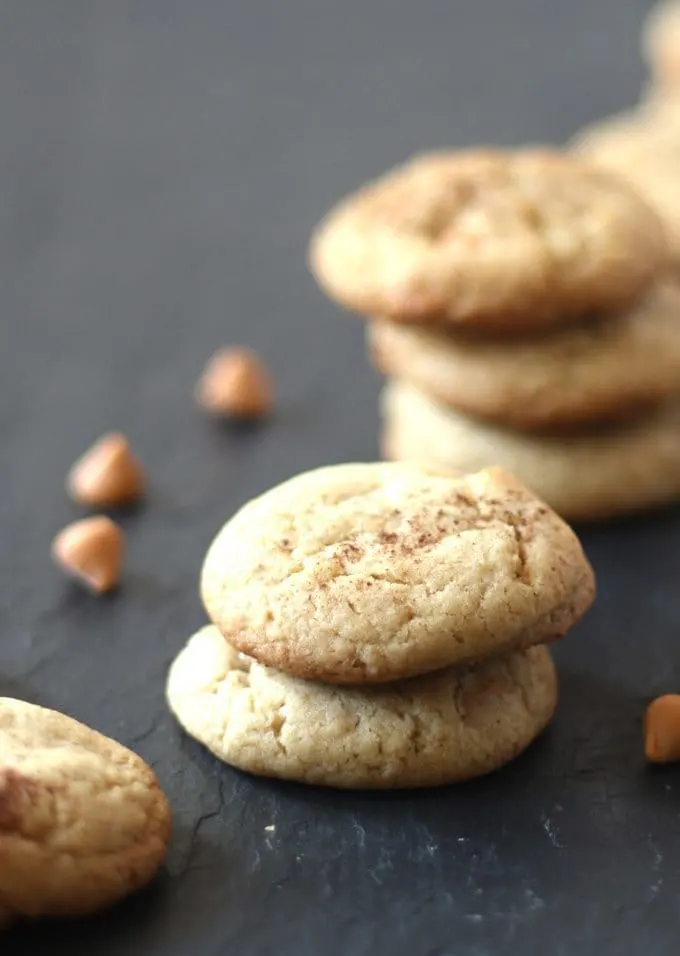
590,475
601,370
503,239
83,821
372,572
644,149
441,728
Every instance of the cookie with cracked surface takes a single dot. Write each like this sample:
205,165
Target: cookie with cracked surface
603,370
501,239
445,727
643,149
83,820
591,475
366,573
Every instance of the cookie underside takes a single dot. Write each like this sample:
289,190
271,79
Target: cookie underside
442,728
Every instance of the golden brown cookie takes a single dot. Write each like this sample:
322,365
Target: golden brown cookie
589,475
509,240
593,372
445,727
372,572
645,150
83,821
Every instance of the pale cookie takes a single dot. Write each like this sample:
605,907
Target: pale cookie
645,151
510,240
441,728
83,821
601,370
661,44
594,474
373,572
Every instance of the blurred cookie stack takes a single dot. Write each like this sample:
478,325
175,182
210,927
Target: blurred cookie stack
519,303
381,625
643,144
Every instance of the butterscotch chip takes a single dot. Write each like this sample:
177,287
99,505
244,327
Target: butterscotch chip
92,551
644,149
108,474
445,727
662,729
83,821
587,475
601,370
236,383
371,572
509,240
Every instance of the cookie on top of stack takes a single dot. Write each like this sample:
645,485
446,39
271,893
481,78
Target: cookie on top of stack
520,303
381,625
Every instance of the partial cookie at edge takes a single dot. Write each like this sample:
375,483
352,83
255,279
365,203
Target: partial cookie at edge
83,820
445,727
661,43
644,149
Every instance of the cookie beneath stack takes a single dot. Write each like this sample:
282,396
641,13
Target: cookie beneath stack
587,416
448,726
330,593
590,475
598,371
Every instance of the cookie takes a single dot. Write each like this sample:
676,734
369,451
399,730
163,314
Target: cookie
83,821
445,727
661,44
593,372
644,150
508,240
595,474
373,572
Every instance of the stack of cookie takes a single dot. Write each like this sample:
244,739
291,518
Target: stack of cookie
381,625
519,303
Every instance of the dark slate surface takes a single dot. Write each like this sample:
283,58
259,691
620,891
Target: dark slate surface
161,165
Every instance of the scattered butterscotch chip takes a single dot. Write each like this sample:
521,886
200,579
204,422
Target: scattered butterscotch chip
92,551
108,474
237,384
662,729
